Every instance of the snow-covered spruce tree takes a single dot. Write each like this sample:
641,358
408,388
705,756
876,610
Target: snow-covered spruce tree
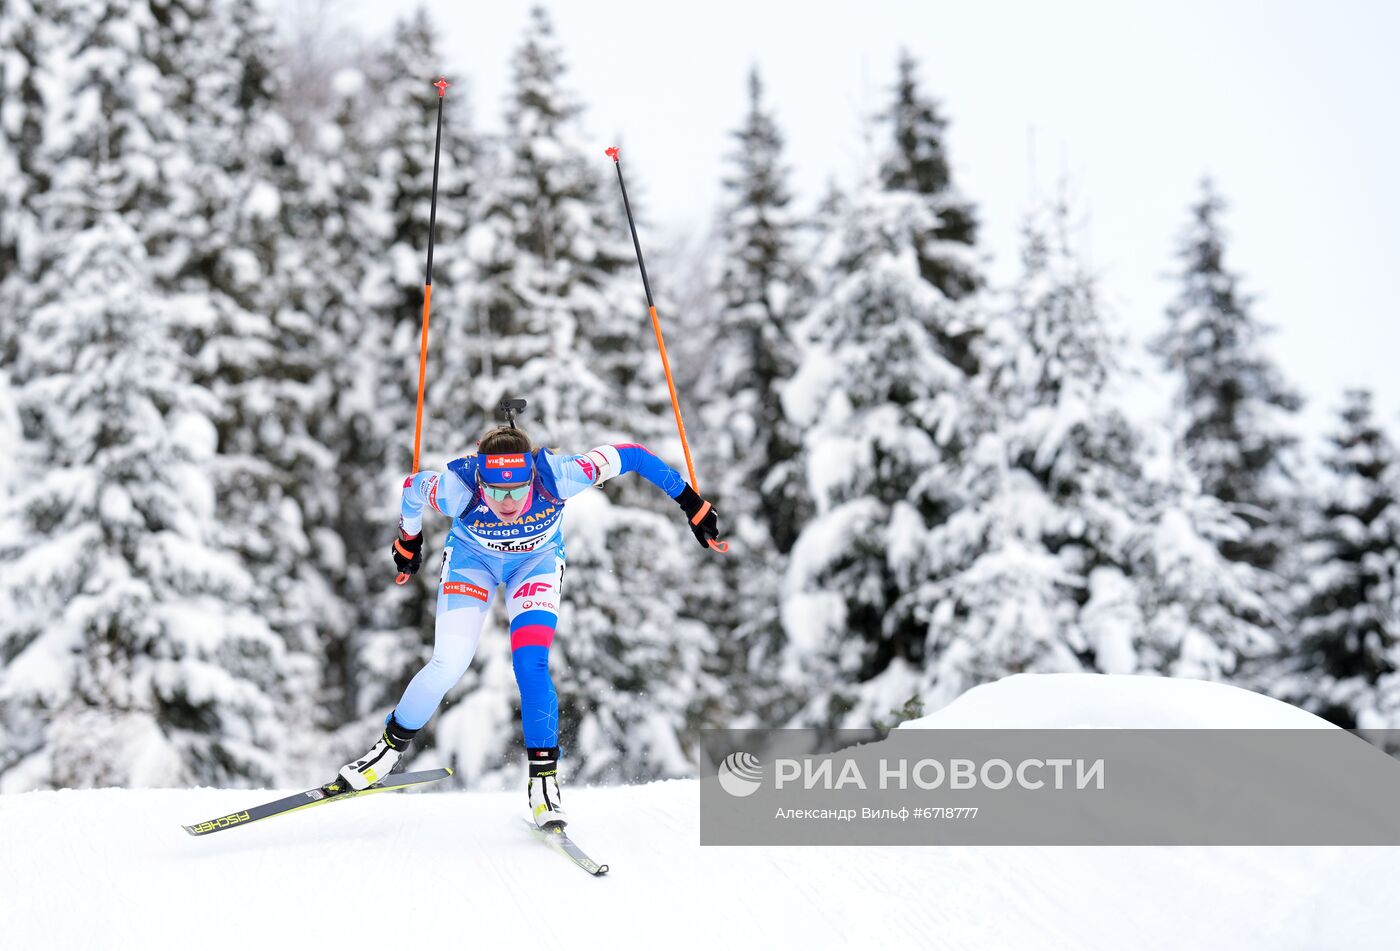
763,289
919,164
131,658
26,32
758,291
400,125
108,68
1086,551
548,254
1047,491
230,238
883,395
127,118
884,411
334,384
1203,615
400,132
1234,401
565,330
333,249
1349,629
100,49
12,439
11,540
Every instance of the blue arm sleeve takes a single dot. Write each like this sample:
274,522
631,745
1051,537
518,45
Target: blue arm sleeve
639,459
573,474
444,491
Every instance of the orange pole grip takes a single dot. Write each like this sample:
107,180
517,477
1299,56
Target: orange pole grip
422,385
422,374
721,547
675,403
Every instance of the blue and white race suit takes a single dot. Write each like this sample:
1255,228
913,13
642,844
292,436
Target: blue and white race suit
483,552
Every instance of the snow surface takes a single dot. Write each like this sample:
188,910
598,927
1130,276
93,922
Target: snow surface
112,868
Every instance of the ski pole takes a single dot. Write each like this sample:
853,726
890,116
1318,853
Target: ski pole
441,85
612,153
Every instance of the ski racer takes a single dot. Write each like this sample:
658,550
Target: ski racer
506,503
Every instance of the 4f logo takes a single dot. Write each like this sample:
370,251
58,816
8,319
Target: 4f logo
531,589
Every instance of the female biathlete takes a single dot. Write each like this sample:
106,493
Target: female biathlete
506,504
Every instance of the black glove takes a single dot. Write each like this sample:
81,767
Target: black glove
704,520
408,553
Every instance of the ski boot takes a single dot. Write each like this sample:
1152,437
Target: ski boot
382,758
545,806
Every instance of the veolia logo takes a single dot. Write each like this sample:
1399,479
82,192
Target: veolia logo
740,774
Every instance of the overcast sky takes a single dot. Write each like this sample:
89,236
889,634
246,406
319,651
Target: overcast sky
1290,106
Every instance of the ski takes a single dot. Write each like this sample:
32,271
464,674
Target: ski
334,791
559,841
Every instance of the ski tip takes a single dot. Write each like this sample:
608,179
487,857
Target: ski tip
602,870
611,153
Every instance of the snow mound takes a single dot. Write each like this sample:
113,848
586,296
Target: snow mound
1114,701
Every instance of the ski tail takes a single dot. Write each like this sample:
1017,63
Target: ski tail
331,792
